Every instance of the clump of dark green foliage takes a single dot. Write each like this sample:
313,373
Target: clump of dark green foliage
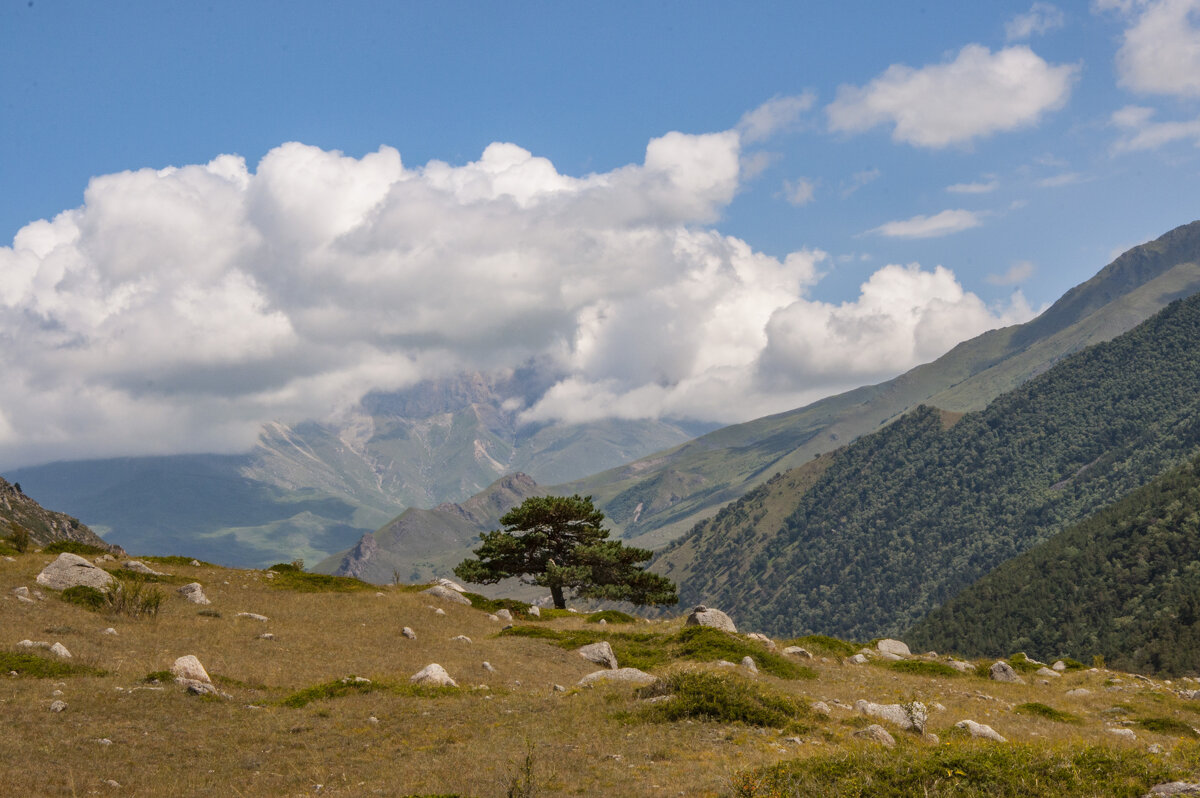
961,770
85,596
73,547
1172,726
132,597
611,616
720,698
290,577
1045,711
919,667
352,685
25,663
174,559
824,644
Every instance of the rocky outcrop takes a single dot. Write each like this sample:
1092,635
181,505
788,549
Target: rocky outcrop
194,592
706,616
980,730
600,653
433,675
446,594
911,717
1001,671
894,647
877,734
43,526
71,570
357,560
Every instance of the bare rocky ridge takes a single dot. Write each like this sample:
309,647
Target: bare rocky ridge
44,526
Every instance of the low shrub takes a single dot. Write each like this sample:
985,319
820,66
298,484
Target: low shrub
295,566
519,609
1047,712
919,667
823,644
158,677
305,582
706,644
611,616
175,559
209,613
962,769
1021,664
19,541
85,596
73,547
352,685
26,663
1172,726
134,598
722,698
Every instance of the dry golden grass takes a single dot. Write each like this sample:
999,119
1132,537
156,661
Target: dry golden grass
165,742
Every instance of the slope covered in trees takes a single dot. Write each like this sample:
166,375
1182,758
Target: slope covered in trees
903,519
1124,584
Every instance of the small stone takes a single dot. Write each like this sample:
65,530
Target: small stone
59,650
558,688
628,675
408,632
460,639
797,651
455,586
492,617
189,668
600,653
1079,692
58,706
894,647
116,785
139,567
960,666
761,638
878,734
438,611
104,741
748,664
447,594
1174,788
704,616
858,659
265,636
821,708
487,666
981,730
196,562
504,614
21,592
1001,671
1125,734
69,570
57,693
253,616
194,592
1154,748
372,719
433,674
110,631
1044,671
535,612
602,622
1059,666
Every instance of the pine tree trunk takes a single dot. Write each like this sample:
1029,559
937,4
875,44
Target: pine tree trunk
556,592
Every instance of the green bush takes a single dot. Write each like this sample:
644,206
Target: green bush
611,616
304,582
918,667
962,769
25,663
1047,712
295,566
352,685
705,644
158,677
823,644
519,609
85,596
73,547
19,539
1171,726
722,698
134,598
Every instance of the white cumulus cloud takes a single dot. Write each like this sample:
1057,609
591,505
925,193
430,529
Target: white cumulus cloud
179,309
1139,131
1040,18
1160,51
977,94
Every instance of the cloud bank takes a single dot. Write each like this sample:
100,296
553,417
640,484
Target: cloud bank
179,309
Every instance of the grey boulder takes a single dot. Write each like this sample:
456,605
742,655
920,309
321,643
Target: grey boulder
71,570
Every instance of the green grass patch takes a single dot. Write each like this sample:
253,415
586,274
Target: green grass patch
1172,726
353,686
1021,664
25,663
304,582
720,698
7,549
73,547
84,596
519,609
611,616
963,770
705,644
1073,664
824,644
1045,711
175,559
158,677
919,667
126,575
642,650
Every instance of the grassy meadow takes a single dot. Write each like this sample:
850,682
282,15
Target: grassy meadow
294,721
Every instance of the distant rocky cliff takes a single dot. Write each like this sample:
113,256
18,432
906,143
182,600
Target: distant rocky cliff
18,511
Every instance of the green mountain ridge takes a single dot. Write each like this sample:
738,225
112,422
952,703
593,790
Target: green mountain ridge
901,520
1123,584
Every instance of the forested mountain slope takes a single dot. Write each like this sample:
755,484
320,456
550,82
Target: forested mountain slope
659,498
905,518
1124,584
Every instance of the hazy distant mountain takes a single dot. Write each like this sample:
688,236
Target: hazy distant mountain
310,490
901,520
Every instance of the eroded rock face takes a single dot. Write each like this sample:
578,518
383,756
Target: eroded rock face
600,653
706,616
70,570
433,674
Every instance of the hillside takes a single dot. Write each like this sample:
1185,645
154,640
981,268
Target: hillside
661,497
312,695
22,516
310,490
903,519
1124,584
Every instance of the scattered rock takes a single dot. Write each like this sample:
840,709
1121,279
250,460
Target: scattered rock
858,659
960,666
504,614
600,653
433,674
438,611
69,570
625,675
1125,734
455,586
558,688
602,622
748,664
495,618
110,631
894,647
139,567
887,656
487,666
1155,748
21,592
254,616
103,741
534,611
265,636
58,706
1001,671
1174,788
1059,666
766,641
197,687
981,730
460,639
447,594
408,632
1044,671
878,734
59,650
796,651
189,667
822,708
194,592
896,714
703,616
196,562
1079,692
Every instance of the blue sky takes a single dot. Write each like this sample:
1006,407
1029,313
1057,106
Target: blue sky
946,155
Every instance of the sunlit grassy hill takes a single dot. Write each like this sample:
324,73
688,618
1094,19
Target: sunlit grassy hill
297,718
